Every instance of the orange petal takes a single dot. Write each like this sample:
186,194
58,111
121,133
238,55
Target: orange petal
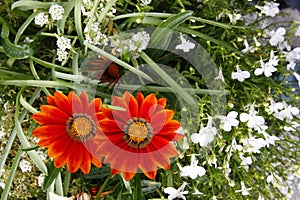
149,103
160,118
140,99
76,104
151,175
51,101
170,126
62,102
44,143
50,132
84,99
96,162
51,115
162,102
128,176
59,146
86,162
61,160
95,106
111,126
114,171
75,157
132,104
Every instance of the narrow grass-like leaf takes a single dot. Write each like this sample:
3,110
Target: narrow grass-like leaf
25,25
24,141
36,159
126,184
33,83
175,87
68,8
105,10
67,179
52,175
160,35
58,185
118,61
13,169
49,65
30,5
10,75
77,19
206,37
26,105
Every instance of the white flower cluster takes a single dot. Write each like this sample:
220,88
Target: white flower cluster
56,12
95,36
145,2
269,67
134,45
25,166
269,9
63,44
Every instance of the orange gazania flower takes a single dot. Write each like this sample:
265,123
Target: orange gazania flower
69,125
138,138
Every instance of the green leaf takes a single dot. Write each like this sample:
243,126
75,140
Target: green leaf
11,176
25,25
149,186
52,174
14,51
162,35
30,5
77,18
49,65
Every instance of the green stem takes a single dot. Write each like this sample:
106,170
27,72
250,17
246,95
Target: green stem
103,186
11,175
137,192
66,182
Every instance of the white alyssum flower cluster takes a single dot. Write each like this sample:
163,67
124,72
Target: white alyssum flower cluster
56,13
135,45
25,166
63,44
95,36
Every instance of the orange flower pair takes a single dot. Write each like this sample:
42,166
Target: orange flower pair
78,132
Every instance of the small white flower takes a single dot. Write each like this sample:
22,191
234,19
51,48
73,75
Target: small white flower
291,57
298,32
275,107
179,193
197,192
41,19
236,146
220,76
2,133
266,68
212,160
244,190
277,36
56,11
270,139
185,45
240,75
288,112
25,166
41,179
63,43
234,17
284,45
253,145
273,61
145,2
205,135
248,48
193,170
2,184
61,55
246,160
229,121
269,9
253,121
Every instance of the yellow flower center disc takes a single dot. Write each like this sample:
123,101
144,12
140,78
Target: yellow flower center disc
80,127
137,132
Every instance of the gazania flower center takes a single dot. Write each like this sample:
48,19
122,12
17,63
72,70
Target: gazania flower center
81,127
138,133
